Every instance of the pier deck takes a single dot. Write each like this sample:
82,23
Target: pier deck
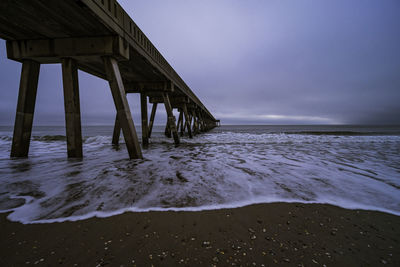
98,37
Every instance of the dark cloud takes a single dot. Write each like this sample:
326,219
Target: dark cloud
254,62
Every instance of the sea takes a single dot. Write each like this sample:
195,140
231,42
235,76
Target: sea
354,167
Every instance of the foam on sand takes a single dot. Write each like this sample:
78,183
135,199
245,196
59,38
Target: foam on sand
211,171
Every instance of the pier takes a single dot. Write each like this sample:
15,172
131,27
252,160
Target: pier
98,37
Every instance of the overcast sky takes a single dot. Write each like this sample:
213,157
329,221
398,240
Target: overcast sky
252,62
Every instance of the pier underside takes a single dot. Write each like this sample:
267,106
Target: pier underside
97,37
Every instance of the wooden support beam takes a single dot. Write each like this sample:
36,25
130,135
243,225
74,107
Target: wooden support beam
145,131
171,118
180,123
121,104
172,100
72,108
195,127
53,50
190,119
197,122
167,131
187,120
117,131
25,108
202,125
201,122
137,87
152,116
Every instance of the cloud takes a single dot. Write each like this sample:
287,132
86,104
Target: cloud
255,61
243,118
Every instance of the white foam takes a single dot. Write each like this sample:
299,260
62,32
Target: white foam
210,171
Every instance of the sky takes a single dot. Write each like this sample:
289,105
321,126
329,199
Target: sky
252,62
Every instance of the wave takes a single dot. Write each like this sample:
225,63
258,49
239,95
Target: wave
344,133
100,214
5,138
211,171
225,137
49,138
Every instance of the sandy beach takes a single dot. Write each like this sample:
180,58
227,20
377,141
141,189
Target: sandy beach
199,133
257,235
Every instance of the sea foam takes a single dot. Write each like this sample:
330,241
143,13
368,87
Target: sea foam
221,169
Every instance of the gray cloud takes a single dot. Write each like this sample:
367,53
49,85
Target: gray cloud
255,62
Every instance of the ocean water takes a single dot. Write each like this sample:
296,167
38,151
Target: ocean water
231,166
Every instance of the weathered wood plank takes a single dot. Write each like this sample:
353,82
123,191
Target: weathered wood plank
201,121
182,126
72,108
152,116
190,119
172,99
39,32
180,123
49,50
137,87
122,107
55,19
171,118
145,131
167,131
193,120
195,123
187,120
116,132
25,108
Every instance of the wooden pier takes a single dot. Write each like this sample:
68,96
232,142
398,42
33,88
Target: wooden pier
98,37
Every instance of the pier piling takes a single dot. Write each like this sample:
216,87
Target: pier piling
152,116
171,118
116,132
100,39
187,120
72,108
145,131
121,104
25,108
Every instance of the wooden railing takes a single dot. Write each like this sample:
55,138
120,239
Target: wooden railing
117,19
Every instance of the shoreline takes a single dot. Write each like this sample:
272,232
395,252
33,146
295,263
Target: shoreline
102,215
261,234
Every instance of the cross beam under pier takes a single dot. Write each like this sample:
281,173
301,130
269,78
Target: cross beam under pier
100,38
68,52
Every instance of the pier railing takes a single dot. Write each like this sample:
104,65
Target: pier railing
115,17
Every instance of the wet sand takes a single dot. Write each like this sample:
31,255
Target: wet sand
257,235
